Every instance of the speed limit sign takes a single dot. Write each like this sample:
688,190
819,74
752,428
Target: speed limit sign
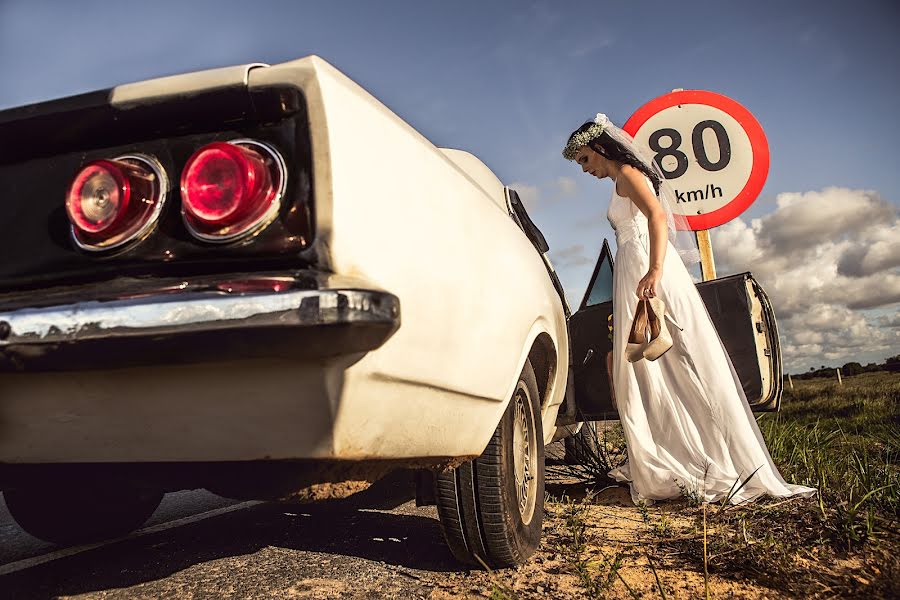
711,149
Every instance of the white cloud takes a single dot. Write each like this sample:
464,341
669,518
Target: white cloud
802,221
533,195
591,45
822,258
879,249
571,256
889,320
833,335
879,289
566,186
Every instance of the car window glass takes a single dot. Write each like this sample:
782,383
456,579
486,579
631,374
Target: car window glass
602,287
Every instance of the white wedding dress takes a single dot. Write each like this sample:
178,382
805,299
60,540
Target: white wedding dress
687,423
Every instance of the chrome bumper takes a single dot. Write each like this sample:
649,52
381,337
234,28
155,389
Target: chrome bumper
140,322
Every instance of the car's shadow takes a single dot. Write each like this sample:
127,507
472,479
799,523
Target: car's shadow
348,528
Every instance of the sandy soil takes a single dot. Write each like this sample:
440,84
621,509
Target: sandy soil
613,527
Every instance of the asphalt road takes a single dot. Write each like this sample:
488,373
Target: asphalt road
376,544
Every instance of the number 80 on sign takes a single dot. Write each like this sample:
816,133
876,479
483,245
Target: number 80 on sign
711,149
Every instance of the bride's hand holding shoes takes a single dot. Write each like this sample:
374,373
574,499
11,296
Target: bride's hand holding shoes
658,339
647,286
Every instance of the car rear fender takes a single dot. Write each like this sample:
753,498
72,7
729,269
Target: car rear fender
548,360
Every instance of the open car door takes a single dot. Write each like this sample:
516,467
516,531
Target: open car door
744,319
740,311
591,343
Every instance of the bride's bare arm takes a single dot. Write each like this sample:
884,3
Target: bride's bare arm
631,184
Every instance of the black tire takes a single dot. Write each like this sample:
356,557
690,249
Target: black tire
582,448
62,515
478,503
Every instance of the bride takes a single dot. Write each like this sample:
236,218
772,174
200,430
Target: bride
688,426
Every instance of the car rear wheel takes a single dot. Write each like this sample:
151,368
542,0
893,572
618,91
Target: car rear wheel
71,516
491,508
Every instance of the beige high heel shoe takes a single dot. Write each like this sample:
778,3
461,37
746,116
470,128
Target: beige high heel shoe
639,335
660,339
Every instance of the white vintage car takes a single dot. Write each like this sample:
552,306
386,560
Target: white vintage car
260,280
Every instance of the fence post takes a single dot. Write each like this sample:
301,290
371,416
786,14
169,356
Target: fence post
840,382
790,381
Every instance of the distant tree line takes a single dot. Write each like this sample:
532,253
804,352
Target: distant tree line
891,363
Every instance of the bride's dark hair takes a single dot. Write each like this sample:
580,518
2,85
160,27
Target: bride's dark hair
606,146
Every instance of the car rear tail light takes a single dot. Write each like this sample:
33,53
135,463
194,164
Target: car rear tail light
231,190
113,202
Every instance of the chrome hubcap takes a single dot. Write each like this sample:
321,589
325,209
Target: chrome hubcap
524,453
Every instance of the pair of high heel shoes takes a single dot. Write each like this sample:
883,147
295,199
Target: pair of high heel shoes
649,337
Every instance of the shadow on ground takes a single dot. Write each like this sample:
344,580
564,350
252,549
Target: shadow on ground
312,539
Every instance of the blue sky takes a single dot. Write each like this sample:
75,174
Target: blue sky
509,80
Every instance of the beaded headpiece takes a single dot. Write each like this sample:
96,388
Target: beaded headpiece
581,138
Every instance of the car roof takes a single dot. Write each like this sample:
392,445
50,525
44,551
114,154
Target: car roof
478,172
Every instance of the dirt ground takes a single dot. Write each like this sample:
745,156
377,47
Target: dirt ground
614,531
596,544
602,546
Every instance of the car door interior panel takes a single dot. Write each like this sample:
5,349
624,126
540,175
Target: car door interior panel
739,309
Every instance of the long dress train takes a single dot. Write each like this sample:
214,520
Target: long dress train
688,426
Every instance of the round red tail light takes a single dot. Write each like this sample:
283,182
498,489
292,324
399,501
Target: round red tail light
98,197
113,202
231,190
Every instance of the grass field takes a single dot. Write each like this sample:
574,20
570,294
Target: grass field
842,439
845,441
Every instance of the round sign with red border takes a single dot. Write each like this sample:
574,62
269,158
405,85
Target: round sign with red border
712,151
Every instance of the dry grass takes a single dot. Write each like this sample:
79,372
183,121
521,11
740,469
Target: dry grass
843,440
